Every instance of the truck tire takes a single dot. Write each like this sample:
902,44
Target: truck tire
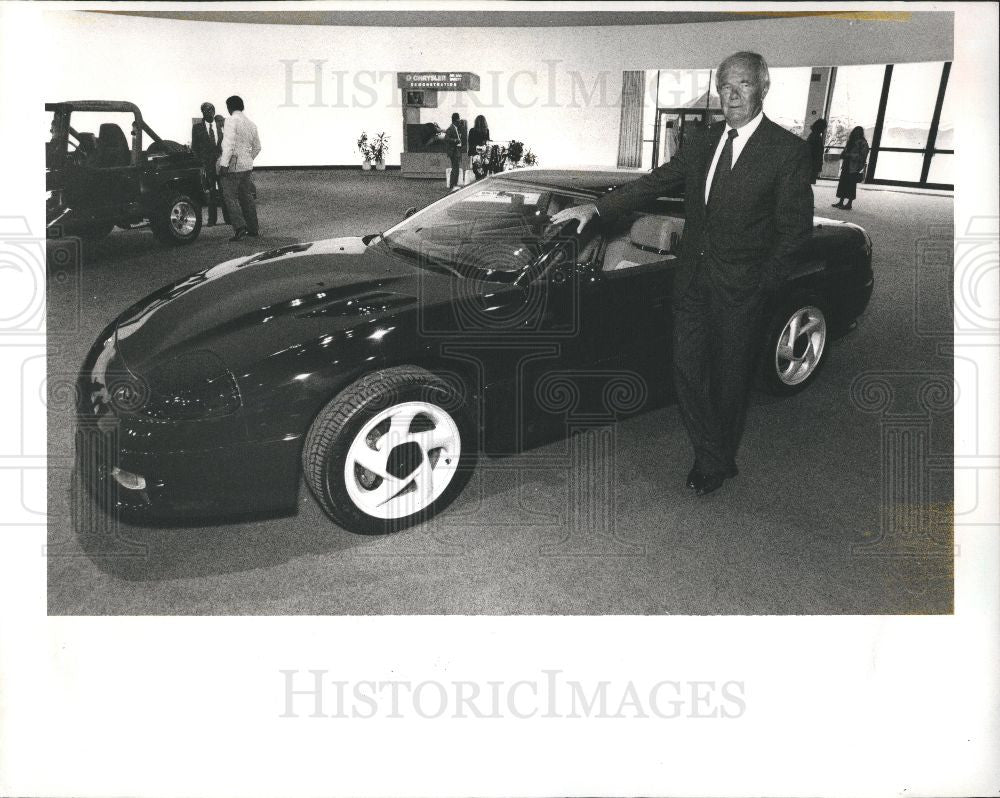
176,219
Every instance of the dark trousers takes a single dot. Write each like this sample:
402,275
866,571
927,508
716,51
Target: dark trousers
456,160
214,196
237,190
715,348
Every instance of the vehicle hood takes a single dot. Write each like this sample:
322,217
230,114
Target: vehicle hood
252,307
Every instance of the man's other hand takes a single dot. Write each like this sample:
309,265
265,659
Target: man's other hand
581,213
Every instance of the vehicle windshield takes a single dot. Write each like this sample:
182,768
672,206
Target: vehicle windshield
492,230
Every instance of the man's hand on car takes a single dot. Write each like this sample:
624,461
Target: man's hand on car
582,214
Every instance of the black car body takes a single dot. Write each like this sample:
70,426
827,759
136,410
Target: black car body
98,179
215,394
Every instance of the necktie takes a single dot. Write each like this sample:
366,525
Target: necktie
724,165
211,132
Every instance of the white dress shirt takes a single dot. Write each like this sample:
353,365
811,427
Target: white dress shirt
240,145
743,135
211,130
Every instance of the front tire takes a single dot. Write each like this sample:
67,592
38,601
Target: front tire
393,449
795,346
176,220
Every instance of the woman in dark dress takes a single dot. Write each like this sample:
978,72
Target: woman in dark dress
815,142
854,156
479,136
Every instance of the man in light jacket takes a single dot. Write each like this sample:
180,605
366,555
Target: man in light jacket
240,145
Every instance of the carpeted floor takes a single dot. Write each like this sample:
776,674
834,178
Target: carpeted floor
826,517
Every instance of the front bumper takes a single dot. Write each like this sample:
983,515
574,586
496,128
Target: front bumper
198,468
245,478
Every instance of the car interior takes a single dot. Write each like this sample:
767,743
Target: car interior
649,239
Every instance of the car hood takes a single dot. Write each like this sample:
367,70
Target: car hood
251,307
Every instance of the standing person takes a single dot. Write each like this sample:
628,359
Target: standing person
453,138
479,136
240,145
852,170
206,144
815,141
749,207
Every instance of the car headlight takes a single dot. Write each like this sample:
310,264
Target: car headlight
190,386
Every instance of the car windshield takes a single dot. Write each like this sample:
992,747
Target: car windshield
491,230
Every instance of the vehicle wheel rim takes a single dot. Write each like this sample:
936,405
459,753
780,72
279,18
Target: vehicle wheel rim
402,460
800,345
183,218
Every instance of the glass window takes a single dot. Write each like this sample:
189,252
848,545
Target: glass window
946,126
903,166
856,94
788,96
831,162
912,94
490,231
941,170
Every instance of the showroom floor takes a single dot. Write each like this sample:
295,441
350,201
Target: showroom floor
814,524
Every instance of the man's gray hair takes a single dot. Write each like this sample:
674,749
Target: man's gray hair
756,62
207,105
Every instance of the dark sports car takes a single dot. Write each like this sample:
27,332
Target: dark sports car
380,367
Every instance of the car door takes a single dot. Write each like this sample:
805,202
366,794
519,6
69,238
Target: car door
637,263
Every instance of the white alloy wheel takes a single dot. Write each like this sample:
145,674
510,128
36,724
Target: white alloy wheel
800,345
402,460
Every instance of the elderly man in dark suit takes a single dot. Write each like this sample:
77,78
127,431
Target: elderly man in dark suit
748,207
206,144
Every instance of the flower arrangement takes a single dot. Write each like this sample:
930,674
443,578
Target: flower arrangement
378,147
365,149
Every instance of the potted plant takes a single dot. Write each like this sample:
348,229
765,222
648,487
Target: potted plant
366,151
530,159
378,148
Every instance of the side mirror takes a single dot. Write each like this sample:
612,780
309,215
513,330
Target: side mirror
410,211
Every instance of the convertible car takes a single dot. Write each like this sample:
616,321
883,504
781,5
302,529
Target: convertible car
380,367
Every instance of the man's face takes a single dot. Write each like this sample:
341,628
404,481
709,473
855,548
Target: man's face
740,92
208,112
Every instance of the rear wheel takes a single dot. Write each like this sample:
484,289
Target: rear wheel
176,220
795,346
393,449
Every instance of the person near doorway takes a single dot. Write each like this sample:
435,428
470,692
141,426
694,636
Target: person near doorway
817,134
852,169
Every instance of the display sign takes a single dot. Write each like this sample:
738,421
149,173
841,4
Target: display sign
444,81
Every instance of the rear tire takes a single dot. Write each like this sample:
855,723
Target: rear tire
391,450
176,220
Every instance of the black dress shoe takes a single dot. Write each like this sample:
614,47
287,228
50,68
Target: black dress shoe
694,477
709,483
240,234
254,234
210,224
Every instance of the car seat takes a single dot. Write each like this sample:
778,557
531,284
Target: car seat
112,147
650,239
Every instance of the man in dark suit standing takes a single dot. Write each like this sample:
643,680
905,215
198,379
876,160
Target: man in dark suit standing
206,144
748,207
453,139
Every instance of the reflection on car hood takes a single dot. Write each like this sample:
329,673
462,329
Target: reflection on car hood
249,307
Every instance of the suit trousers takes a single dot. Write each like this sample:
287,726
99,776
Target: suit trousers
237,190
715,346
214,196
456,164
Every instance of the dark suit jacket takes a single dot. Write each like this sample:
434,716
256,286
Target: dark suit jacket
201,146
747,235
